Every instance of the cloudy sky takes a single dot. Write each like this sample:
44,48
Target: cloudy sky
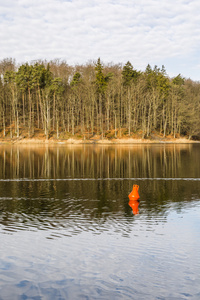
155,32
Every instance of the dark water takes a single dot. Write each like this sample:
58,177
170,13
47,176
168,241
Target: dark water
67,230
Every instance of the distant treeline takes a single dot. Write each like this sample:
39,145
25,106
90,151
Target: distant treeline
109,100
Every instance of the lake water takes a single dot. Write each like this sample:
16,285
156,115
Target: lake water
67,230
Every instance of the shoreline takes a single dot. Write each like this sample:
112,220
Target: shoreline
71,141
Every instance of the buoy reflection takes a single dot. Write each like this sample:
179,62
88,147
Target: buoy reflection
134,205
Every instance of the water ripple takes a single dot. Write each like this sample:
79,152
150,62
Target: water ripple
97,179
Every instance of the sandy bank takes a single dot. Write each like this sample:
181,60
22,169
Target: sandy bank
96,141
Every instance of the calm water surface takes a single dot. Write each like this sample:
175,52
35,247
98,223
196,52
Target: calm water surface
67,230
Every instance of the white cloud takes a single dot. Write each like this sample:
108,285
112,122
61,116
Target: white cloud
143,32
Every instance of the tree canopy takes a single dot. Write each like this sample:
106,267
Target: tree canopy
108,100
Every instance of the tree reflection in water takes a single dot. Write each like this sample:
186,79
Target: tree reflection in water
87,161
62,182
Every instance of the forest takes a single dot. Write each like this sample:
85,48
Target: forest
95,99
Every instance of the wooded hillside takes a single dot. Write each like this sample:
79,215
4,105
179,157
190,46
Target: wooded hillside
106,100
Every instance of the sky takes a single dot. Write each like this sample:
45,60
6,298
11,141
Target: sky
155,32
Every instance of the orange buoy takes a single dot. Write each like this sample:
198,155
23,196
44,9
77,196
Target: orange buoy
134,205
134,195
